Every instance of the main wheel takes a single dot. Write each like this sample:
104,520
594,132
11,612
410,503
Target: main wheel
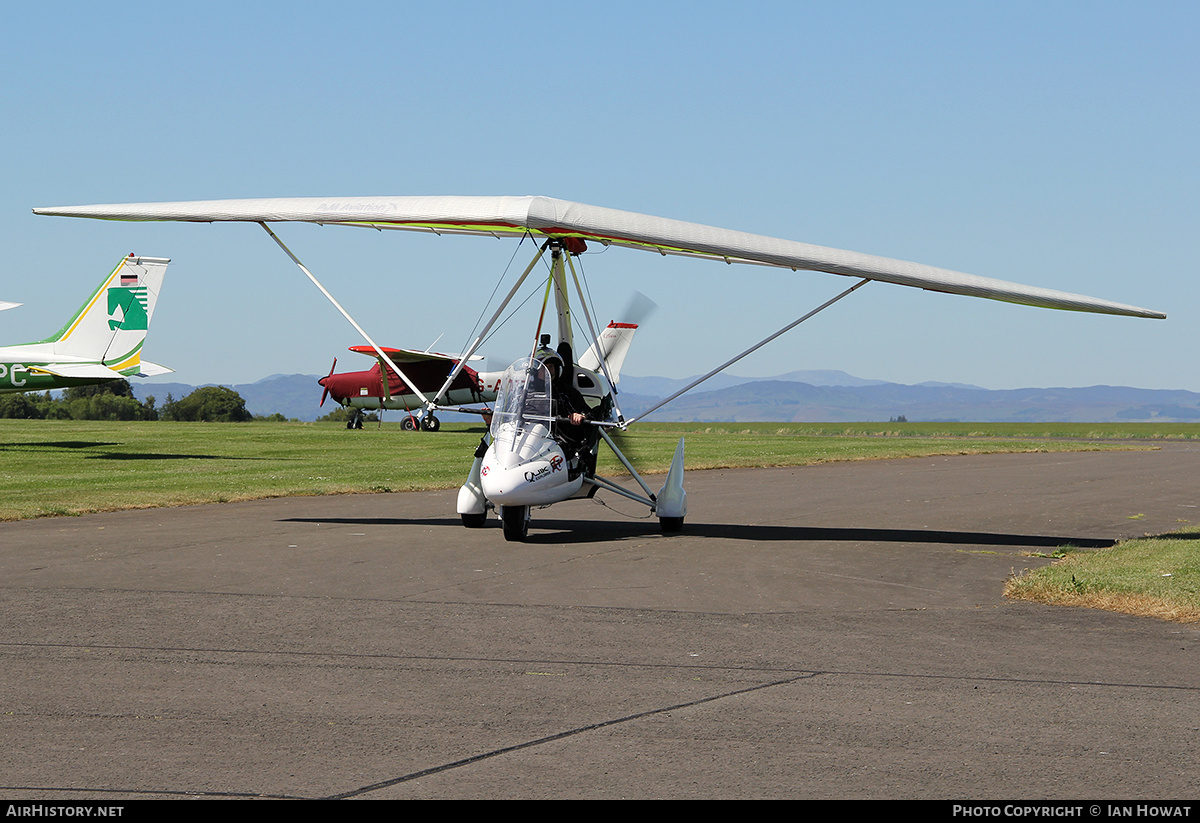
516,524
671,525
431,423
409,424
475,521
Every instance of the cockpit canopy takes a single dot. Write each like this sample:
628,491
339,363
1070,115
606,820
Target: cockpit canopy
524,399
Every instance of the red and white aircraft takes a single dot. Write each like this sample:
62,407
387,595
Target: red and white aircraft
368,391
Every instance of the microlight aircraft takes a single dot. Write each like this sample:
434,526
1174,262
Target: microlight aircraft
101,342
368,390
528,463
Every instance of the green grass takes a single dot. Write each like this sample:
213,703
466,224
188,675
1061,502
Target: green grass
55,468
1152,577
68,467
1073,431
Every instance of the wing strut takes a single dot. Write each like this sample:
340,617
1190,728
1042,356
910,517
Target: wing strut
383,358
753,348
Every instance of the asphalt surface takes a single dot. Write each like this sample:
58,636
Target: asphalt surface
835,631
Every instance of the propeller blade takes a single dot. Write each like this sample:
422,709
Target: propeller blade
638,309
325,383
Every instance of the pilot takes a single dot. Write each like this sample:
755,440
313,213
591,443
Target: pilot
575,436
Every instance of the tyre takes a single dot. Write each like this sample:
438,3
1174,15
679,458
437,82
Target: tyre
516,524
475,521
408,424
671,525
431,423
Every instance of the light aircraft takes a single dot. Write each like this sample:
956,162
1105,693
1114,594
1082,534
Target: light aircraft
528,461
367,390
101,342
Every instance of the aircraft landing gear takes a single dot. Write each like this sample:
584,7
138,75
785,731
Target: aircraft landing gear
474,521
356,421
671,525
516,522
428,423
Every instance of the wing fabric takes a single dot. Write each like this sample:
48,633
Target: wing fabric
549,217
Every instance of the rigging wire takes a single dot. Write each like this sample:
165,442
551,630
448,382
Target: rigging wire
587,288
496,288
528,297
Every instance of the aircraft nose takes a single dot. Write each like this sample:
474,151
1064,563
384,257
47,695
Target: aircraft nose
333,387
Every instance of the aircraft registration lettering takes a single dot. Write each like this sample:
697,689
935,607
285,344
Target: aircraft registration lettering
10,372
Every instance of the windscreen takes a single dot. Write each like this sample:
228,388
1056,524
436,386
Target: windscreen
523,400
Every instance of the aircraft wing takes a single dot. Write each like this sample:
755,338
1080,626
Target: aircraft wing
411,355
6,305
549,217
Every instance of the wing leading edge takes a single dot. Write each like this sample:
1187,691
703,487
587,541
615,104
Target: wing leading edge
549,217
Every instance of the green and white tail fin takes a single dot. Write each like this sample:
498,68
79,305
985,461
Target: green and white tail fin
110,327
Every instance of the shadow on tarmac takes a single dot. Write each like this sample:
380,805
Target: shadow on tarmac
574,531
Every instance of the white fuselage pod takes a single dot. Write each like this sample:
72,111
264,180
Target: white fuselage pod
526,467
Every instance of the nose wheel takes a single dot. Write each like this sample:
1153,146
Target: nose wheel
516,522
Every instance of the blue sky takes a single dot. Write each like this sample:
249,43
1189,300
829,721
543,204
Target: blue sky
1049,143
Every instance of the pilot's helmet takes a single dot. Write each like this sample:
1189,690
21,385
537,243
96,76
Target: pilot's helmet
550,360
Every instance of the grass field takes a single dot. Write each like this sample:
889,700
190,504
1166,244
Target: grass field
54,468
63,468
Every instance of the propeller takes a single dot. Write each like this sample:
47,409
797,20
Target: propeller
638,309
325,383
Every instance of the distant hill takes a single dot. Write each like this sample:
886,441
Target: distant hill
785,401
804,396
665,386
292,395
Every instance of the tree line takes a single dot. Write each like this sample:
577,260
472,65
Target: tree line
115,401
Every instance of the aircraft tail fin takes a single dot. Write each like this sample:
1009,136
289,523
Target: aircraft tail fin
110,327
614,345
